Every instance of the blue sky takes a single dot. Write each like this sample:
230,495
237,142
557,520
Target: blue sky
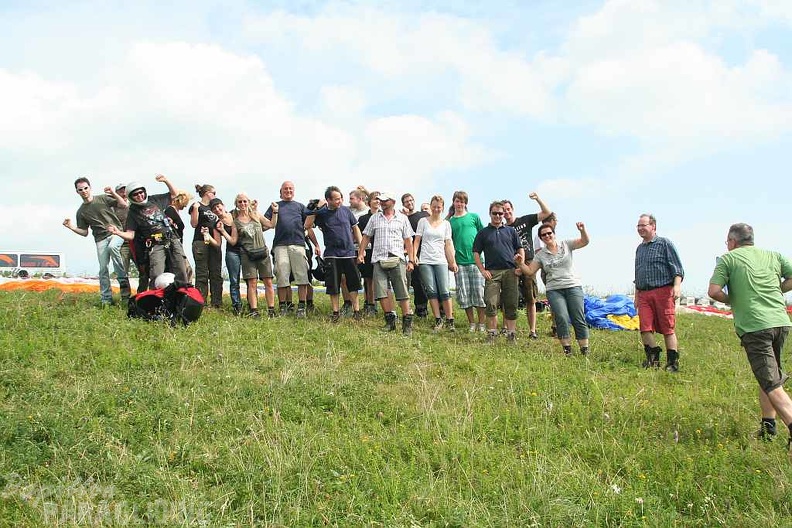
607,109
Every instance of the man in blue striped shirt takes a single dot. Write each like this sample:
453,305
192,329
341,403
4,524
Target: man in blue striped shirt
658,279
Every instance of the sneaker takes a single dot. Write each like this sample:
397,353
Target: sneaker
421,311
301,313
567,350
533,335
271,312
584,351
284,310
237,309
511,337
369,310
482,327
254,314
438,324
449,324
492,336
504,331
472,328
357,316
346,309
335,317
310,307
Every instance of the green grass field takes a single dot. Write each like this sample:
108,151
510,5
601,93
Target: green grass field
107,421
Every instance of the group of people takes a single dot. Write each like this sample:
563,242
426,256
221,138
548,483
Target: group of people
384,250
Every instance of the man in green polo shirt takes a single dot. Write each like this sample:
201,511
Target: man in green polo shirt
754,281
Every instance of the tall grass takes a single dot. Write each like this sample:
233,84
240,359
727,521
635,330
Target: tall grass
238,422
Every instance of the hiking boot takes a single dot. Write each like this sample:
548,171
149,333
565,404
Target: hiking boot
504,331
449,324
357,316
254,314
492,336
407,321
584,351
652,357
335,317
346,309
421,311
438,324
390,322
271,312
237,309
511,338
567,350
672,361
533,335
301,312
284,310
767,430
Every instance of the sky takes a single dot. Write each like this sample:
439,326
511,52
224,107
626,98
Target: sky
606,109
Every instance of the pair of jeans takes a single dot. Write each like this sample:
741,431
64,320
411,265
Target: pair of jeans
435,281
234,266
107,249
567,304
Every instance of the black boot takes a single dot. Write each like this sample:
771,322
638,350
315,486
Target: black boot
407,321
672,361
652,356
390,322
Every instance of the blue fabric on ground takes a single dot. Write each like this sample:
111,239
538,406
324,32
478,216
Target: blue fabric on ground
598,310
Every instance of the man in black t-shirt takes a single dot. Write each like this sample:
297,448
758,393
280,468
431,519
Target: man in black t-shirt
413,277
523,225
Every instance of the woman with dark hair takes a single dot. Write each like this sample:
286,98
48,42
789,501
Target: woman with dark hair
564,290
208,257
233,253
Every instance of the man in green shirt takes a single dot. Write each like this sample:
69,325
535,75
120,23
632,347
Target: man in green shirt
754,281
469,281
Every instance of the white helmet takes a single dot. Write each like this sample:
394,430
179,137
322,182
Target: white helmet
164,280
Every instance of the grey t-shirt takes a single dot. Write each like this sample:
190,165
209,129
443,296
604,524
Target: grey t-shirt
559,267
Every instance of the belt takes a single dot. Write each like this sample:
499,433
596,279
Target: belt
655,287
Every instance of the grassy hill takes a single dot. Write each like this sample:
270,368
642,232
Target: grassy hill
238,422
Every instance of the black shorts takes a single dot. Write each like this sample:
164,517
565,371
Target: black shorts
334,268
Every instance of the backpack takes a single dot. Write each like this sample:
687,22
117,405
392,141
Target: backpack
177,303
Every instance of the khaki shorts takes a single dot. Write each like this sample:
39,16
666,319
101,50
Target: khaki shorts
291,260
256,269
502,288
530,290
396,277
763,349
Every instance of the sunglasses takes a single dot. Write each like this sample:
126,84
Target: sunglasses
138,192
81,189
545,234
497,213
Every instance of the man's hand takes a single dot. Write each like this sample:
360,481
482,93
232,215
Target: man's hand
677,289
113,230
68,223
160,178
533,196
486,274
109,191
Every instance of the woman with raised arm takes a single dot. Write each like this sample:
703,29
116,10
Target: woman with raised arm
564,290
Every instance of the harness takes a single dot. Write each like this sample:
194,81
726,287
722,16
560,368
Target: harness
158,239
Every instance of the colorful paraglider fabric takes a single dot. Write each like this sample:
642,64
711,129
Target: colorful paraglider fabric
602,313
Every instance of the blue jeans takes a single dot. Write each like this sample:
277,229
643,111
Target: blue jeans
567,304
234,267
435,281
108,249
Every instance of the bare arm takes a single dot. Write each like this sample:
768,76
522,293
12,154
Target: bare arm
584,238
450,254
364,241
356,234
120,200
786,285
129,236
716,292
477,258
544,211
194,214
527,269
171,189
266,222
69,224
312,238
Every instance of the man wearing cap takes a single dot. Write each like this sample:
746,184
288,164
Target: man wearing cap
392,237
288,247
98,213
147,220
121,213
340,233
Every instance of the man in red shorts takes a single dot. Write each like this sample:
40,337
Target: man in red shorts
658,280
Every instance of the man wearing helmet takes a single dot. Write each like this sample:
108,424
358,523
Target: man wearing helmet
147,222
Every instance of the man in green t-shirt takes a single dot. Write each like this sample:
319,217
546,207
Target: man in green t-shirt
469,281
754,281
97,213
